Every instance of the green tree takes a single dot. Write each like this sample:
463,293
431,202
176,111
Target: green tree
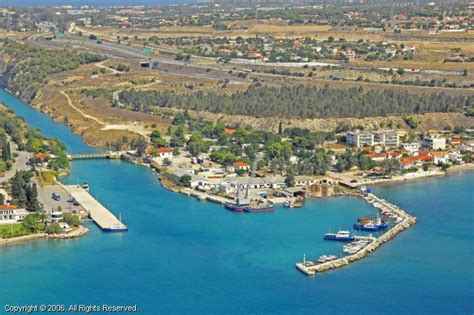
53,228
32,203
185,180
72,219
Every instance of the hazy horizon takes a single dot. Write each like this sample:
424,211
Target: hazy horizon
101,3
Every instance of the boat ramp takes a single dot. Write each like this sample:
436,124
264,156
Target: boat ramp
98,213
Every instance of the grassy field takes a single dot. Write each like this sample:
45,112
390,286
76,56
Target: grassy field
12,230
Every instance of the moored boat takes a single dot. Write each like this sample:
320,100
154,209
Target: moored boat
233,207
266,206
342,236
375,225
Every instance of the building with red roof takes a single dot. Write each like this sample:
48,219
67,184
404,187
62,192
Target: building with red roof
164,153
11,214
241,165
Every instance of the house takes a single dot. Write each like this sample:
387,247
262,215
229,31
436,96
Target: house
11,214
165,153
41,156
407,163
254,55
455,141
241,166
376,157
410,147
350,55
440,157
392,155
455,157
56,216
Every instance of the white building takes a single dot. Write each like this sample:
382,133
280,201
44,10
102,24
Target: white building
11,214
434,142
455,157
388,138
411,147
165,153
56,216
359,138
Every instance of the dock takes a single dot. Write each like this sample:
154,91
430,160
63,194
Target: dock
98,213
406,221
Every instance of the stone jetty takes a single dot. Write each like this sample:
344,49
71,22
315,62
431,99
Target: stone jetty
406,221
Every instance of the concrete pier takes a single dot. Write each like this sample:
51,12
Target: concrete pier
405,223
98,213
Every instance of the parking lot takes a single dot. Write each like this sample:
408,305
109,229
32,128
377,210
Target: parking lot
44,197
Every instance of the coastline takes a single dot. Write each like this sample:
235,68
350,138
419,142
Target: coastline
75,233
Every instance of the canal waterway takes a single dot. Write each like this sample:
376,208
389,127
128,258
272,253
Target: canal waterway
182,255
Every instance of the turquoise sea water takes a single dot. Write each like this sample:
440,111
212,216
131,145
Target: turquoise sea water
186,256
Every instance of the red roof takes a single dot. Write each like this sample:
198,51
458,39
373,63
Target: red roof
392,153
439,153
406,161
422,158
164,150
7,207
229,131
240,164
41,156
456,140
373,155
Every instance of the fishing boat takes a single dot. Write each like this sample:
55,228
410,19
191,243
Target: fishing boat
293,203
261,206
288,203
367,220
375,225
233,207
341,236
298,203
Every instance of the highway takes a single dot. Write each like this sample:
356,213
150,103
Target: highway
121,52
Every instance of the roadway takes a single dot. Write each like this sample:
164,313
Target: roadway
121,52
21,161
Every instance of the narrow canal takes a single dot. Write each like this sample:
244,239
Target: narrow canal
186,256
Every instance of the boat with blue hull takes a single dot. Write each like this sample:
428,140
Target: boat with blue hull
341,236
263,207
372,226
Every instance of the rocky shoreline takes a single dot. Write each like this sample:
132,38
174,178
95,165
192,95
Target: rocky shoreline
75,233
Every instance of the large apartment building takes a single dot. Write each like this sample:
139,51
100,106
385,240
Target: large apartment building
357,138
388,138
434,142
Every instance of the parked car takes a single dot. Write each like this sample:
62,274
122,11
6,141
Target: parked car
56,196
